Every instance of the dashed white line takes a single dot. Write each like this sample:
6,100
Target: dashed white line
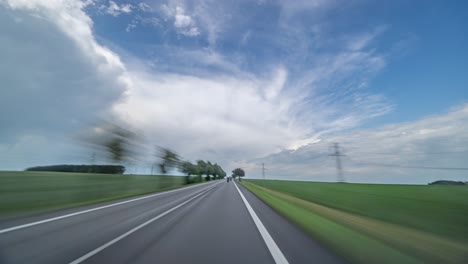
115,240
2,231
272,247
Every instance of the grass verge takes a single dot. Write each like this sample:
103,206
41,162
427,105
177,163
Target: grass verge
359,238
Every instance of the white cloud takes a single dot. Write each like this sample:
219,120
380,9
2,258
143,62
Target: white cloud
361,41
239,115
180,19
412,152
55,75
183,23
143,21
222,117
145,7
290,8
131,25
207,57
278,82
115,9
212,16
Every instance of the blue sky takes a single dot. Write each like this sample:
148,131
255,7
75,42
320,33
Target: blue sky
241,82
423,44
429,76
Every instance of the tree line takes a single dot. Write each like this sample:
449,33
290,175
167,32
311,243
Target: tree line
170,160
106,169
123,146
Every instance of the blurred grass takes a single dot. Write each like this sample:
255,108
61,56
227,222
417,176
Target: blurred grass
24,192
376,223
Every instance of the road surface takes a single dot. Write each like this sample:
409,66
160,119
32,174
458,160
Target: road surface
214,222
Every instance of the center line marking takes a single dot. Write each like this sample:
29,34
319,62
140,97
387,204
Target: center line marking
274,249
6,230
115,240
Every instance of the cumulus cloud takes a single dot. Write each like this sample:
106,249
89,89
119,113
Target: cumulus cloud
67,78
241,115
222,115
227,117
55,76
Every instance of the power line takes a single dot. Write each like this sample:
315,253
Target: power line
408,166
410,152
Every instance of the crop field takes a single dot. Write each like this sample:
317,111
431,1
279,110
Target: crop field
372,223
32,192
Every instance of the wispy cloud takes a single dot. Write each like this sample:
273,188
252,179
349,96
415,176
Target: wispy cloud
242,114
151,21
408,152
212,16
183,23
115,9
361,41
145,7
206,102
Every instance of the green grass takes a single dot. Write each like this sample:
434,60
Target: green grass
32,192
442,210
376,223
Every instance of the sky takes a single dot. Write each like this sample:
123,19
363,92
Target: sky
241,83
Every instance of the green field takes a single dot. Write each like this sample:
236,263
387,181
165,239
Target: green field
372,223
32,192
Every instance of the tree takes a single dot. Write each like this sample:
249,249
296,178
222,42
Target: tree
116,149
238,173
119,145
106,169
210,170
194,170
169,159
223,173
219,171
186,167
201,166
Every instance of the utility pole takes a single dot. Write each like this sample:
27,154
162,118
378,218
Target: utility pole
93,158
263,170
337,153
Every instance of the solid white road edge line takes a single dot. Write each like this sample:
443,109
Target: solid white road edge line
2,231
274,249
115,240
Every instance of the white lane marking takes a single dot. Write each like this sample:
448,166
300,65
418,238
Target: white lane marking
115,240
274,249
2,231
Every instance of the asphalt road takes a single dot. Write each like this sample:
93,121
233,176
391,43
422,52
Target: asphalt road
206,223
